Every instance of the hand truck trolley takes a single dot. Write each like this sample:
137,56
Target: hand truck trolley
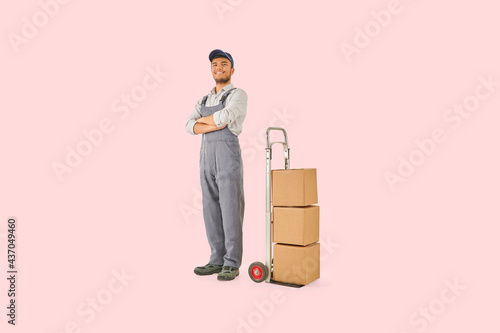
257,271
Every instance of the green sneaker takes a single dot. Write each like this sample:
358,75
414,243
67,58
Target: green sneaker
208,269
228,273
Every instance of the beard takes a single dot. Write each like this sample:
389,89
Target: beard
223,80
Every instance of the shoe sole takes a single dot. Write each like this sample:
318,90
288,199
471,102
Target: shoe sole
224,278
206,273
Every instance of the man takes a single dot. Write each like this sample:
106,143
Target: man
219,117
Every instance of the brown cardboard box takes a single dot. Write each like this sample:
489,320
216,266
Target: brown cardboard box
296,264
296,225
294,187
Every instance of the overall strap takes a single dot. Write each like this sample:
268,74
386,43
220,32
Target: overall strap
204,100
223,99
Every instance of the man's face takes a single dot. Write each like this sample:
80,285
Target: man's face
221,70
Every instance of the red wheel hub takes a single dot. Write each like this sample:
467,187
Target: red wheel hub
256,272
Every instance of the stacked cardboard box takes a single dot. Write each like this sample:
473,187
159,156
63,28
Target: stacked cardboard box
295,226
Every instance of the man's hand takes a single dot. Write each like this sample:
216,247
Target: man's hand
209,120
201,128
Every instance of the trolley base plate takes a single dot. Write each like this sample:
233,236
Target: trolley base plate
286,284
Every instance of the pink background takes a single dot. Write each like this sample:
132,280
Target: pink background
133,202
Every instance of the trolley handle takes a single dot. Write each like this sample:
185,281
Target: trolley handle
286,150
276,129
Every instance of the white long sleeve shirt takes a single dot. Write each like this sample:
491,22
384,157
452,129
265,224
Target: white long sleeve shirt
233,114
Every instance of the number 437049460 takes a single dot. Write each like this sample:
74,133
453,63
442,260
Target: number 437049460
11,254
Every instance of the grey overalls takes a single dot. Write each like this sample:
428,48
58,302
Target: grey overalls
221,175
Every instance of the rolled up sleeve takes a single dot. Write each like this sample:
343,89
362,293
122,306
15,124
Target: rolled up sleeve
191,121
236,107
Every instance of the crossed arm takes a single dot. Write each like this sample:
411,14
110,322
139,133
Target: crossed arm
205,125
235,107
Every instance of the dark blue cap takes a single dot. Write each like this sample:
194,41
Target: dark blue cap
218,52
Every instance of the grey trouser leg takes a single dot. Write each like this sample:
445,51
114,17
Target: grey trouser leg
221,175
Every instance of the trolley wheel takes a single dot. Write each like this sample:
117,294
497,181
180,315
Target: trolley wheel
258,271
